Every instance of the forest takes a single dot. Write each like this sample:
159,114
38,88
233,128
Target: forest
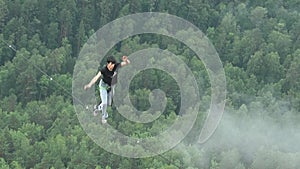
258,43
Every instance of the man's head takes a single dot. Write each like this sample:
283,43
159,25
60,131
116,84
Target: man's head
110,63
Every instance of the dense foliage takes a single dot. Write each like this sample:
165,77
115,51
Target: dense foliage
257,41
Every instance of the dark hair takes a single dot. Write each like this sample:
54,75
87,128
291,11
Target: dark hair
111,59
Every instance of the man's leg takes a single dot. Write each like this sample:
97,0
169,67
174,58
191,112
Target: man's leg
111,95
104,99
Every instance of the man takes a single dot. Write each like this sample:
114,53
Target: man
107,82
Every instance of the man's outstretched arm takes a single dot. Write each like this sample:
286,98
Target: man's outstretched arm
93,81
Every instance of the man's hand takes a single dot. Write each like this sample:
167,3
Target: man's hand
87,86
125,58
125,61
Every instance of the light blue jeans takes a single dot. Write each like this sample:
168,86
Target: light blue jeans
106,97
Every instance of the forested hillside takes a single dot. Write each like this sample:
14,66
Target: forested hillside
258,43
